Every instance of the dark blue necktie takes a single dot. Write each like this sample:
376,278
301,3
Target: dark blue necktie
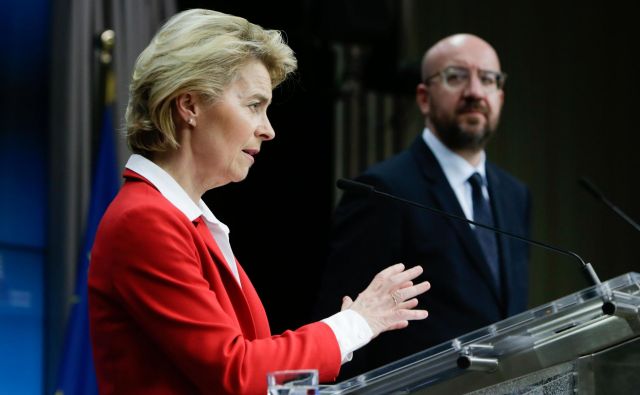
482,214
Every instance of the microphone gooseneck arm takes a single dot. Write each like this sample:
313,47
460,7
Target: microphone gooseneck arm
588,185
365,188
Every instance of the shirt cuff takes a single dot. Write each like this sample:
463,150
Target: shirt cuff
351,330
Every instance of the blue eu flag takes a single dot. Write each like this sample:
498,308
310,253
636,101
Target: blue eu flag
77,375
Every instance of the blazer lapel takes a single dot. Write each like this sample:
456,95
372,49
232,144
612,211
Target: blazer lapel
233,288
243,304
448,202
259,315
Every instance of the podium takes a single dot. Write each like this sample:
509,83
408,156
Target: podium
587,342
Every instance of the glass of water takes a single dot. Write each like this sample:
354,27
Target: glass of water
293,382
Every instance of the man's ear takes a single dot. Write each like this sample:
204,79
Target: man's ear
422,98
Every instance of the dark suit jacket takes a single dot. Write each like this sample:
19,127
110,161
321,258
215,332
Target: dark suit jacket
371,233
167,315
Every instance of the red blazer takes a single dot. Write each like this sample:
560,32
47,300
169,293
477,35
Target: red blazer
167,315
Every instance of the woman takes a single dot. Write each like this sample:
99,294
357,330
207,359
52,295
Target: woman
171,309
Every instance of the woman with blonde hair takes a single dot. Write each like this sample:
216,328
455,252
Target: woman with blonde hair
171,309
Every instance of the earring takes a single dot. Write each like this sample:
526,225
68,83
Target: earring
191,121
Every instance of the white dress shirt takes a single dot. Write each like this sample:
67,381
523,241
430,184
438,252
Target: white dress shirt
457,170
351,329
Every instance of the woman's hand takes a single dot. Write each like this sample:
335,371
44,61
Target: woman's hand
389,300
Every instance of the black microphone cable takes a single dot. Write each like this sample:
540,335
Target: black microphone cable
588,185
608,306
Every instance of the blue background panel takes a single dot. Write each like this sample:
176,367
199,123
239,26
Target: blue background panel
24,115
21,322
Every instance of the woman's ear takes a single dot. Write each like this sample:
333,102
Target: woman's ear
186,108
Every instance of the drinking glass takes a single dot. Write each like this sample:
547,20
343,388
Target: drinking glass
293,382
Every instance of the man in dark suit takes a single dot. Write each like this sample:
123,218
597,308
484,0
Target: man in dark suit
477,276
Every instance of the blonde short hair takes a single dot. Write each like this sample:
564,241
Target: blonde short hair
197,51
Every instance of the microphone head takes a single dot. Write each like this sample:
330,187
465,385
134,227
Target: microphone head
354,186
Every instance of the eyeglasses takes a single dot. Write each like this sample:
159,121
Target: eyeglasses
456,78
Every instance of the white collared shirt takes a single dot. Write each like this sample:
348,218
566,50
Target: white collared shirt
173,192
457,170
351,329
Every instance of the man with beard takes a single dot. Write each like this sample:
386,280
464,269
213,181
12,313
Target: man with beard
478,277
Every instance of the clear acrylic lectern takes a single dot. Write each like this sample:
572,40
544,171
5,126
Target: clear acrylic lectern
587,342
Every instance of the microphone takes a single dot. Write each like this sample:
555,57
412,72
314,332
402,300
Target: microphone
355,186
588,185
